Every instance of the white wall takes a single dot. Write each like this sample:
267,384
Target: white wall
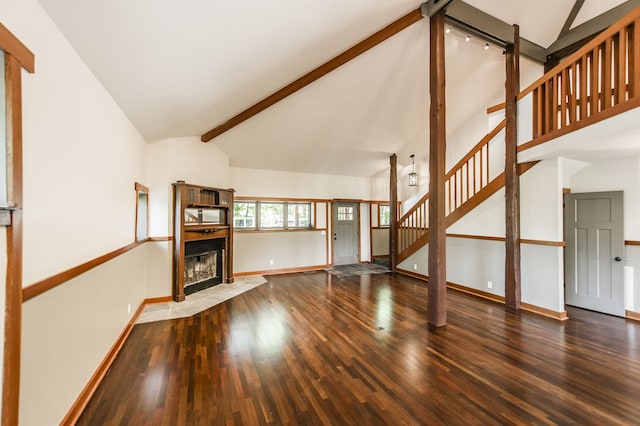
621,174
176,159
82,157
270,183
158,269
541,219
614,175
64,342
365,235
253,251
81,154
262,251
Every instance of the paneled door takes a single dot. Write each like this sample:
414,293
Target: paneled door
345,233
594,273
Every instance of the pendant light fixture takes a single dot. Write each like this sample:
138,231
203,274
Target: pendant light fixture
413,176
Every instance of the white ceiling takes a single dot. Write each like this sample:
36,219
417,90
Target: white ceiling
182,68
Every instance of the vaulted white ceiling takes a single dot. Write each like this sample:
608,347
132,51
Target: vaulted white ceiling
182,68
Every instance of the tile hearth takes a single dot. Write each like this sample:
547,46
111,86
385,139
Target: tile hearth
199,301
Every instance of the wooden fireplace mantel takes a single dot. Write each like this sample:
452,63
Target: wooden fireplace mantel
200,213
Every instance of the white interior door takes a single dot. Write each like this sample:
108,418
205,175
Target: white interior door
345,233
594,273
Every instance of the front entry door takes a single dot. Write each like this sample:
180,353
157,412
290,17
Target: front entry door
345,233
594,274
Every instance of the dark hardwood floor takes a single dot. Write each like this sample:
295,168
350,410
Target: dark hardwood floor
315,349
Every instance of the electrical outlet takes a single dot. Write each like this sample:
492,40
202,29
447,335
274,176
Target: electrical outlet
489,284
271,262
415,266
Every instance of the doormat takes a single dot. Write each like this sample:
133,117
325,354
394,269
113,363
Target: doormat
357,269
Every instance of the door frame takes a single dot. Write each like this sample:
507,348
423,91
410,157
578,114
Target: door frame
566,193
333,227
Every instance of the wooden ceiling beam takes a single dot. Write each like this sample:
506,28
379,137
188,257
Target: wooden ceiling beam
349,54
594,26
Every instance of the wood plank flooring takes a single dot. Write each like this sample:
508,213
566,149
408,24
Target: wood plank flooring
316,349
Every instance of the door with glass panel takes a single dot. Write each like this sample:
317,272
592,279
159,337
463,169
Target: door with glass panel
345,233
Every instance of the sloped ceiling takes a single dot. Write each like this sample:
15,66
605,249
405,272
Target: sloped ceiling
181,68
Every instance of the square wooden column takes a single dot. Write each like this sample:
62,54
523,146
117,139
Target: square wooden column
437,295
512,180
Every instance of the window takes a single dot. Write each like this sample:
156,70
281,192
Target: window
142,212
270,215
385,215
345,213
299,215
244,215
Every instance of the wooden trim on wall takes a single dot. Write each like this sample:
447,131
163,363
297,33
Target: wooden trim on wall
296,200
87,392
268,230
48,283
140,187
522,240
559,316
476,237
543,243
283,271
167,238
353,52
475,292
412,274
496,108
156,300
14,47
632,243
632,315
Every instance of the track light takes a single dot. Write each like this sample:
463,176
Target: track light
448,30
467,38
486,46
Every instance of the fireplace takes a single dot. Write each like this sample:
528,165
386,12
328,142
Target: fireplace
203,264
202,238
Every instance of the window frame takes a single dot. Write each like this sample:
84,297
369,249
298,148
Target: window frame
380,208
258,225
140,191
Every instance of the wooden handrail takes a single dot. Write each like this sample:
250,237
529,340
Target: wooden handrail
470,175
602,75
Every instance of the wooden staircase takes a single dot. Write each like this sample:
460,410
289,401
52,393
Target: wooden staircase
599,81
467,185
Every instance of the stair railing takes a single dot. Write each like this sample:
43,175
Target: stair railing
462,182
593,83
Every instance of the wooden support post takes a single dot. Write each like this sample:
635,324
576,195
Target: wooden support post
393,210
13,288
437,290
512,183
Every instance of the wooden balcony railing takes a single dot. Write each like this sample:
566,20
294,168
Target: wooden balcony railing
598,81
468,177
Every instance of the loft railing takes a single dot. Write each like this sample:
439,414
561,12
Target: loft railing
599,80
468,177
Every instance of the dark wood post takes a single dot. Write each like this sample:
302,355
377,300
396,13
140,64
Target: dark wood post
393,210
437,293
512,183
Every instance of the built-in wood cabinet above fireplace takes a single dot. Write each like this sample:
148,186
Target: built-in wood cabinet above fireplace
202,238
